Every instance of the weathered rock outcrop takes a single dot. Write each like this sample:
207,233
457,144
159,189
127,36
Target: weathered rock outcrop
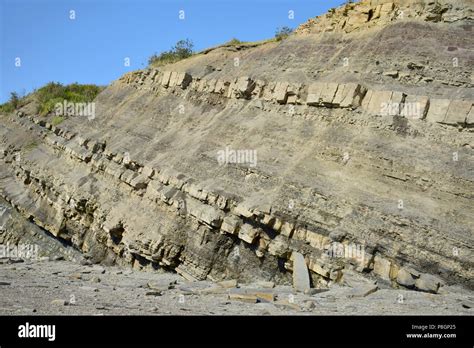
365,14
228,172
319,94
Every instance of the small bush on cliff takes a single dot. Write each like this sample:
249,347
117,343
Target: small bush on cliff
57,120
12,104
183,49
31,146
234,42
282,33
54,92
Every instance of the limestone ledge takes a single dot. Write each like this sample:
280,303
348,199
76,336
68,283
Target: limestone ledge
215,211
365,14
319,94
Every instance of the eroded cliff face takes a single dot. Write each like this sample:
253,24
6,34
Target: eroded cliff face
233,163
362,15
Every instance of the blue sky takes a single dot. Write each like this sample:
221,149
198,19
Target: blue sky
92,48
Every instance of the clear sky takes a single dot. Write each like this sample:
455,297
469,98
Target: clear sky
48,44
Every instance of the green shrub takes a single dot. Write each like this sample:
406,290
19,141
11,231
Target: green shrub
12,104
7,108
57,120
31,146
14,100
183,49
48,106
282,33
234,42
53,93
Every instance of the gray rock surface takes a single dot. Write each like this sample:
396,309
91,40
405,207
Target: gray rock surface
221,171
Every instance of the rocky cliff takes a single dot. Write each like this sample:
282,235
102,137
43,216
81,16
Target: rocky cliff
349,144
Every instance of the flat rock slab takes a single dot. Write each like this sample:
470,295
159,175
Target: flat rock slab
362,291
249,295
300,273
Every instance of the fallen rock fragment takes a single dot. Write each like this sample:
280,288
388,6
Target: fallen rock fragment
59,302
405,278
428,283
252,295
300,273
228,283
363,291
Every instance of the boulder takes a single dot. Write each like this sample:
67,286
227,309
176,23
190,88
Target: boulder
244,87
316,240
319,268
314,94
140,182
178,180
228,284
278,246
415,107
205,213
345,94
292,99
154,190
165,80
438,110
172,81
259,88
230,224
457,112
230,91
268,91
248,233
252,295
300,273
405,278
328,93
244,210
287,229
382,267
183,80
428,283
378,102
281,92
299,233
128,176
148,171
391,73
167,194
114,169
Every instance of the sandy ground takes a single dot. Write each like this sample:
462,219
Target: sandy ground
67,288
